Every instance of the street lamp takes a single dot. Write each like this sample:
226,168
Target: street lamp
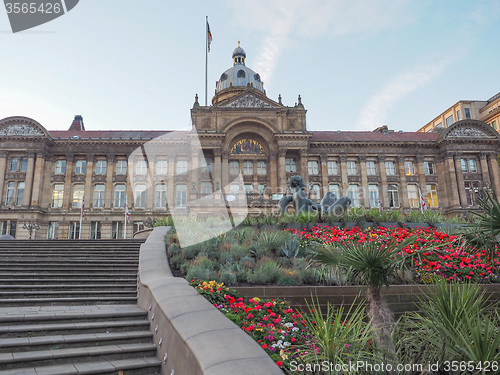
31,227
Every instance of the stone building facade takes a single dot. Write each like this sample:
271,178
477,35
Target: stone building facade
45,175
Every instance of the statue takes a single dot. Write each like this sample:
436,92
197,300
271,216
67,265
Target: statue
303,204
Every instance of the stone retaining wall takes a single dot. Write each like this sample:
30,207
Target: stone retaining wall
192,336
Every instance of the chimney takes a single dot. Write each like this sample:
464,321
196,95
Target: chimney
77,124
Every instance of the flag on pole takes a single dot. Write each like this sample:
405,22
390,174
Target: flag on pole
423,205
209,36
127,214
379,205
83,207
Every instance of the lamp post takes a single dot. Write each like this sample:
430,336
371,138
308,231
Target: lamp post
31,227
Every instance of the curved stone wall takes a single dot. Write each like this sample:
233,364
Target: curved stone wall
191,335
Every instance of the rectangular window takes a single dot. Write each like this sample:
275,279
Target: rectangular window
206,188
248,168
467,112
316,189
13,228
181,196
181,167
373,194
95,230
261,168
371,168
439,126
290,165
413,196
60,167
20,193
248,188
74,230
53,230
449,121
353,193
335,189
101,167
333,168
13,164
57,196
138,226
206,165
352,168
77,196
162,167
432,196
140,196
472,166
24,164
463,164
161,196
494,125
390,168
312,167
459,115
121,167
393,195
428,167
119,196
409,168
3,228
81,167
11,190
99,193
141,167
234,189
260,188
117,230
234,167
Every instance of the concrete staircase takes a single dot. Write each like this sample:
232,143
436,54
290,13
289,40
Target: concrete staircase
70,307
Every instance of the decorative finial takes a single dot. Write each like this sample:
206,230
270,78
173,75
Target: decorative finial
196,104
300,105
279,99
238,43
300,99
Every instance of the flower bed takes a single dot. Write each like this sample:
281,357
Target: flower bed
451,260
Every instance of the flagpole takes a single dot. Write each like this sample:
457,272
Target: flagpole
206,60
126,207
81,217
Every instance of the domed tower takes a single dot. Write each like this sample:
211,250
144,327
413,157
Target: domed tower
237,78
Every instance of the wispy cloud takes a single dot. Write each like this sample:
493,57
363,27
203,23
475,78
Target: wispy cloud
374,113
283,21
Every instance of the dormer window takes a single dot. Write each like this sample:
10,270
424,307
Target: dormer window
241,73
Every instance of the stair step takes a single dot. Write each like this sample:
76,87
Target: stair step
61,286
78,354
60,281
7,302
136,366
23,344
32,330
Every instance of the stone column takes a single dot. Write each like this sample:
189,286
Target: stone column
484,168
88,181
460,182
67,196
193,176
3,164
451,181
106,229
495,173
282,182
170,185
28,180
421,177
108,194
365,197
273,175
324,175
217,172
402,183
225,171
38,180
383,193
303,166
343,172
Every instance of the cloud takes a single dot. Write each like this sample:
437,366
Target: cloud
284,21
374,113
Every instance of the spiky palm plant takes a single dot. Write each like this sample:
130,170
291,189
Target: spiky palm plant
374,264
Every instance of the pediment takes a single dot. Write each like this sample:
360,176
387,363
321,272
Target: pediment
471,130
21,127
250,101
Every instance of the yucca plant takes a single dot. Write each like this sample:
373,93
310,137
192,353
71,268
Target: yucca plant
338,336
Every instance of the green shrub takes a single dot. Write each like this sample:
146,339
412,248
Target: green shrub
200,272
176,261
286,280
247,262
299,263
228,278
164,221
266,273
226,258
250,221
415,216
308,276
291,247
239,251
260,250
191,252
285,262
173,249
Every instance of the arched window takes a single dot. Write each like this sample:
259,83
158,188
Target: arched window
247,147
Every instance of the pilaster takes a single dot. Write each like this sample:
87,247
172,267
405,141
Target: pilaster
28,188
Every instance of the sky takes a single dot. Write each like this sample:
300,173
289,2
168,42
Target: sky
357,64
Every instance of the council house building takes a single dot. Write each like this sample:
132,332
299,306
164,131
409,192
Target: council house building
45,175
